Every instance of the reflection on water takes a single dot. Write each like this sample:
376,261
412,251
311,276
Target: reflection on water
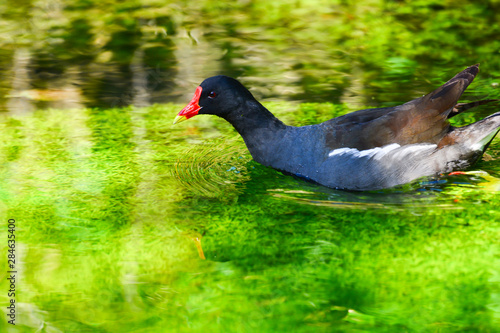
442,193
88,53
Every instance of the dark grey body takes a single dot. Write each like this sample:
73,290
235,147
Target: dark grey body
301,151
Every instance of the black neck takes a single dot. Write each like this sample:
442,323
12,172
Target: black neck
253,117
260,129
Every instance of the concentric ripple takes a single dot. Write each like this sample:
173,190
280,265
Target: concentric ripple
213,169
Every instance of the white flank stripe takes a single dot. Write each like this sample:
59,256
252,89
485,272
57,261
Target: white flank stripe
376,153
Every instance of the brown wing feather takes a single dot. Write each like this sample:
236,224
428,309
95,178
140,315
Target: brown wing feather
421,120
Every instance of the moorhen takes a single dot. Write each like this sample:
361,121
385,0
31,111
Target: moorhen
363,150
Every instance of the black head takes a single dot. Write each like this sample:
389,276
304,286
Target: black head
221,95
218,95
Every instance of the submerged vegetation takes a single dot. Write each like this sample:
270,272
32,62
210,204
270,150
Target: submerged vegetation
116,211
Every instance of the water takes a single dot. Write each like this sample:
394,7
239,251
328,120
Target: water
127,223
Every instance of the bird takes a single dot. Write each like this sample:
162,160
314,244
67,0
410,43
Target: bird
369,149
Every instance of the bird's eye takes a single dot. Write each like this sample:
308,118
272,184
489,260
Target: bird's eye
212,94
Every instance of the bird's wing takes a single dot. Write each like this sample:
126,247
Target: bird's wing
422,120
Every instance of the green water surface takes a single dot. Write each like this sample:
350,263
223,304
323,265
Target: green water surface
126,223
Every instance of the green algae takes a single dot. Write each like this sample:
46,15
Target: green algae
115,209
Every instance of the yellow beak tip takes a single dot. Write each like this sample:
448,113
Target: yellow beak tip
178,119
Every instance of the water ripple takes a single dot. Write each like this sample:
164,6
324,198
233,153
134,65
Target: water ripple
213,169
446,192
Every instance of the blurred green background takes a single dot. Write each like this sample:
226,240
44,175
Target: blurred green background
126,223
113,53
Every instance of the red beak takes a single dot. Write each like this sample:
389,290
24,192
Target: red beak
191,109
